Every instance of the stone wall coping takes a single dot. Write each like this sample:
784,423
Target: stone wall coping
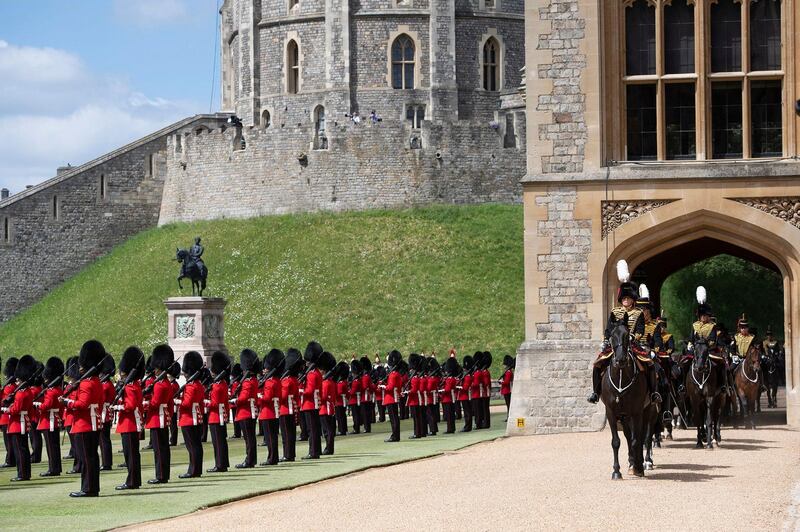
194,302
671,171
65,175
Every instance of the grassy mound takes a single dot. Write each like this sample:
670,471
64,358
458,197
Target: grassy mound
363,282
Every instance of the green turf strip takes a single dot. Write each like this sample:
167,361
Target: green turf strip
44,503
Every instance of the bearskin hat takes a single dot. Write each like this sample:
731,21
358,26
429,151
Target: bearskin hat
403,367
192,363
468,363
38,378
486,360
341,371
394,358
313,352
11,366
293,361
355,367
131,360
92,353
148,365
433,366
73,372
366,365
205,376
378,373
477,360
236,371
53,369
326,361
273,359
108,367
174,370
250,361
508,361
451,366
25,369
219,362
415,362
163,357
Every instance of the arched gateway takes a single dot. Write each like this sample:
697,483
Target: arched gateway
595,194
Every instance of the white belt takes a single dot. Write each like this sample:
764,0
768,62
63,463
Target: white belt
105,411
453,395
396,396
253,410
435,397
161,409
316,399
138,417
22,422
291,405
221,414
93,414
195,411
358,398
344,400
419,397
53,412
276,404
469,394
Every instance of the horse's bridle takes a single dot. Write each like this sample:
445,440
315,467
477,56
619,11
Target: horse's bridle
619,388
743,369
706,370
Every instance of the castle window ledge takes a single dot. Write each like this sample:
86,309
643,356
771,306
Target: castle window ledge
393,12
277,21
489,14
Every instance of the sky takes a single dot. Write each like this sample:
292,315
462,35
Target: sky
79,78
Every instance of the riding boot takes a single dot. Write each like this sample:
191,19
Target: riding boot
652,383
596,385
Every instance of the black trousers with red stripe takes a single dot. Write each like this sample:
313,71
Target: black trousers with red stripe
76,459
219,440
381,413
249,436
86,447
466,406
53,446
161,452
341,420
271,429
9,446
367,413
433,427
329,430
355,411
106,456
133,459
289,436
314,429
449,417
36,445
191,438
22,454
477,412
394,420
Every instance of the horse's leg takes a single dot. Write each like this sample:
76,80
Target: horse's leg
652,430
615,441
626,430
637,444
179,282
709,423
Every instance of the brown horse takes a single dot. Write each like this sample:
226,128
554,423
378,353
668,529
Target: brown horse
704,385
748,381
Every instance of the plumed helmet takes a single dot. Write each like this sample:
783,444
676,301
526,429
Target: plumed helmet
250,361
468,363
53,368
236,371
73,371
273,359
415,362
92,353
326,361
486,360
366,365
293,361
313,352
451,366
703,308
174,370
508,361
742,321
394,358
108,367
25,369
163,357
433,366
341,371
131,359
192,363
355,367
626,287
11,366
643,301
220,361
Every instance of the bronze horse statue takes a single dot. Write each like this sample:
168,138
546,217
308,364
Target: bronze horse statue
193,269
748,381
625,396
705,383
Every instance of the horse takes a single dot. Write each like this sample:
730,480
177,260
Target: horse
625,396
192,269
748,383
770,365
704,385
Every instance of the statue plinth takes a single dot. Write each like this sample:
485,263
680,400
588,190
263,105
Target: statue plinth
196,324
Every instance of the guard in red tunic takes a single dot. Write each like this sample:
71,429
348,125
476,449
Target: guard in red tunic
367,400
246,402
6,391
107,371
432,381
486,387
269,401
34,435
311,393
341,401
355,395
87,423
391,394
128,405
327,363
289,397
218,410
378,379
159,407
173,374
189,401
476,390
50,414
147,393
465,392
71,374
18,405
414,394
449,394
507,381
236,383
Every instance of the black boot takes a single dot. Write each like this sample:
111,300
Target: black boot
596,386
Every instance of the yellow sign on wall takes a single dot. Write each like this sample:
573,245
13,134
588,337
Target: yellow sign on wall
520,422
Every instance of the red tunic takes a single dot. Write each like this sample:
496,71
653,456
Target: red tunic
312,391
68,416
394,384
487,383
414,397
158,411
108,397
289,394
247,400
19,412
328,397
218,404
475,388
130,417
341,393
7,390
355,393
50,409
270,401
366,389
190,409
86,408
449,393
466,385
507,382
35,413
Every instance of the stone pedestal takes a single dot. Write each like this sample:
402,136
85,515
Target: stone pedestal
196,324
551,382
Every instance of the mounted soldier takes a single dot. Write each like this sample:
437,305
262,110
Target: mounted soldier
650,324
664,342
741,342
627,294
704,328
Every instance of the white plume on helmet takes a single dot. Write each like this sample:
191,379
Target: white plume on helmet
701,295
622,271
644,293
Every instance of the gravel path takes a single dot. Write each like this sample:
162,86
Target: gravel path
751,482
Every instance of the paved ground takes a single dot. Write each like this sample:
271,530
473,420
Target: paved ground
751,482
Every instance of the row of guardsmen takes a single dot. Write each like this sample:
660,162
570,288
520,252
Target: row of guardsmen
270,397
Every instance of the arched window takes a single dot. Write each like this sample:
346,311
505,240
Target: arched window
320,137
403,62
491,65
266,119
292,68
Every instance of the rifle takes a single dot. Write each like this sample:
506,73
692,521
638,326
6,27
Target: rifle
189,380
49,385
72,387
128,380
150,387
268,376
302,378
217,379
25,384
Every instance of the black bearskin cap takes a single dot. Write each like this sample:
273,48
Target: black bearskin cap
477,360
487,360
415,362
402,367
219,362
38,380
109,367
11,366
236,371
394,358
433,366
508,361
326,361
131,359
293,361
468,363
54,368
273,359
313,352
366,365
341,371
451,366
73,372
26,367
174,370
250,361
148,365
379,373
192,363
163,357
92,353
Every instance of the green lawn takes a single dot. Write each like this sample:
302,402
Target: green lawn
360,282
44,503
